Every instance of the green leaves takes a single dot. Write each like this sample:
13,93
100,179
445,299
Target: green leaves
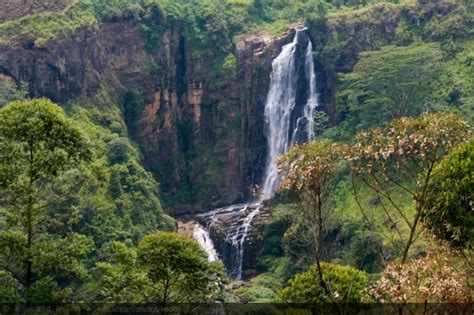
449,208
346,283
38,142
388,84
120,280
9,92
164,268
176,265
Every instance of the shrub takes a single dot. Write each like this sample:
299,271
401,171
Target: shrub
345,282
428,279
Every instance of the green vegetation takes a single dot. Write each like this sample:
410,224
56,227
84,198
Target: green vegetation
38,145
79,214
164,268
364,218
309,170
118,199
206,22
405,154
9,92
57,212
42,27
369,96
449,206
345,283
178,268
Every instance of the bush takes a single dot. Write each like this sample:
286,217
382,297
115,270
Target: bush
120,151
429,279
346,283
448,212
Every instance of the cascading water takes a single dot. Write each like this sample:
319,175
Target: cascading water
312,103
201,235
281,100
279,109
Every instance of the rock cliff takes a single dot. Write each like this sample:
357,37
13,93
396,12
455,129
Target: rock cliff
200,130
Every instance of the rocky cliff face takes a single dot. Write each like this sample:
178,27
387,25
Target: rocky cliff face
200,130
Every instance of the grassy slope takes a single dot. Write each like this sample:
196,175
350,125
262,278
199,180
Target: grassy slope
48,25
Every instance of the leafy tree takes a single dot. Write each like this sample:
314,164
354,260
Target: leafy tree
345,283
309,170
120,151
178,268
321,122
449,205
369,97
38,144
116,10
428,279
404,155
111,199
10,92
120,279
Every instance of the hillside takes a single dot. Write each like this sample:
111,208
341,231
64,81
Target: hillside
173,98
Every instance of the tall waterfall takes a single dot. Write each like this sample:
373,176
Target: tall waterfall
280,110
281,101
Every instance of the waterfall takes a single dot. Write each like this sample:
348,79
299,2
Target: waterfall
281,101
313,94
308,113
237,239
201,235
280,109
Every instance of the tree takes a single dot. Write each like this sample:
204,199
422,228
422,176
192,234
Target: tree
120,150
320,122
448,211
119,278
403,156
346,284
38,144
428,279
369,96
10,92
309,170
178,268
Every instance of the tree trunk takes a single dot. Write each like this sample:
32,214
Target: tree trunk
412,234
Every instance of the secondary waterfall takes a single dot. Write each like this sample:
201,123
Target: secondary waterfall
201,235
285,126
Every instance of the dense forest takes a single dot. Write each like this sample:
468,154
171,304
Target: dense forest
236,151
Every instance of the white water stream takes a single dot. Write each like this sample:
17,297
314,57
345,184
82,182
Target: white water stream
279,108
